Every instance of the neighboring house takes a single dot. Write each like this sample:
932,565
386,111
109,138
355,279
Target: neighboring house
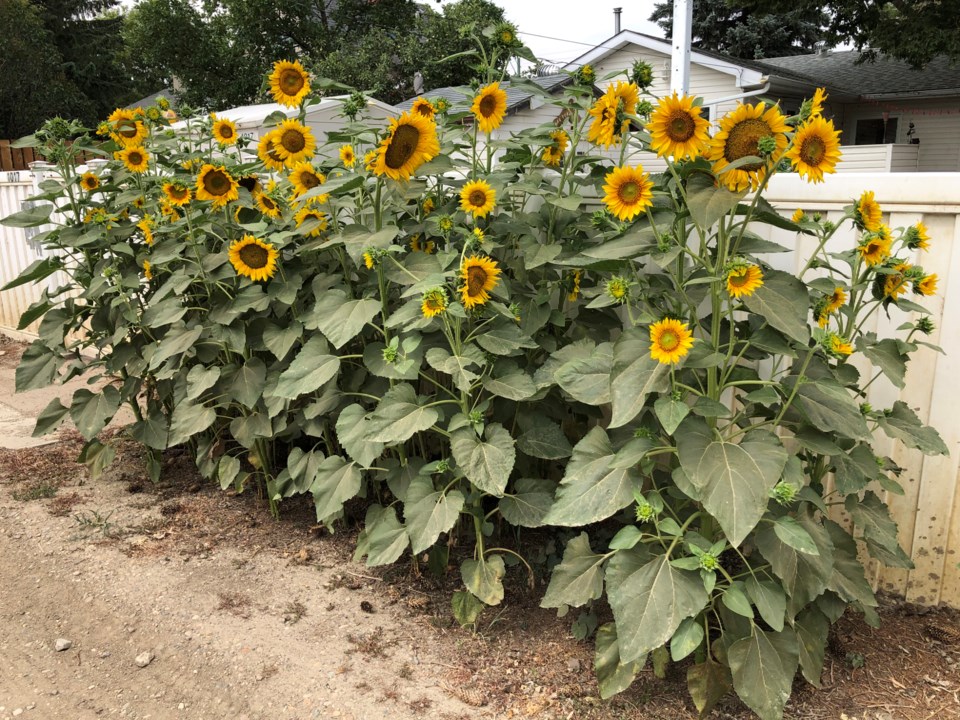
152,99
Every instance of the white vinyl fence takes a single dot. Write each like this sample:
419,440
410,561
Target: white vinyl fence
928,513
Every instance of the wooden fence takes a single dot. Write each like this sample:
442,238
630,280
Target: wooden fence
13,159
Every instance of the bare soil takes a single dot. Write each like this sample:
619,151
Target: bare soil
248,617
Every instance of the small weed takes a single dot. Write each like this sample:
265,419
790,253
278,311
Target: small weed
93,521
294,612
421,705
405,672
35,491
856,660
234,603
372,644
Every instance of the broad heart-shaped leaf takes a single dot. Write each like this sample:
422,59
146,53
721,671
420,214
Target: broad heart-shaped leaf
707,683
804,576
486,463
733,481
793,534
830,407
484,578
383,538
466,607
152,431
53,414
588,379
404,367
545,440
200,379
353,433
770,600
634,376
457,365
812,627
886,356
399,417
613,676
649,603
709,201
336,482
429,512
37,368
591,490
504,338
847,579
175,342
92,411
247,384
280,338
779,301
903,424
530,502
686,639
854,469
36,271
339,319
670,413
310,369
31,217
578,579
97,457
872,516
189,419
515,385
227,471
763,666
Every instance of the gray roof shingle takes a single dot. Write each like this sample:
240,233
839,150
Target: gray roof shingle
460,96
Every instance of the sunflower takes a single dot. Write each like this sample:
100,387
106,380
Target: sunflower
743,280
177,194
739,137
917,238
147,272
293,141
835,300
489,107
627,93
618,288
838,346
89,181
411,141
867,213
603,129
134,158
479,236
628,191
250,183
477,198
875,249
434,302
670,340
289,83
418,245
553,153
311,213
146,227
139,202
798,216
370,160
574,285
368,261
268,154
677,129
927,285
895,283
428,206
253,258
816,103
305,178
815,149
168,210
224,131
422,106
214,183
479,275
347,156
126,129
268,206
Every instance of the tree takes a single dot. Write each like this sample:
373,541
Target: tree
915,31
734,30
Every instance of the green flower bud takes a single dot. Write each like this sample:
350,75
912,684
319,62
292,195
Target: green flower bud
709,562
645,512
784,493
766,145
389,354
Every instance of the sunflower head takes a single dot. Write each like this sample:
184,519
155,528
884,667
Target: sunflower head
126,129
267,205
926,285
422,106
293,142
798,216
676,128
641,74
586,75
147,272
434,302
89,181
814,106
743,278
134,158
217,185
489,107
253,258
477,198
224,132
836,345
305,178
618,289
874,248
410,142
289,83
418,244
743,133
815,149
268,154
670,340
916,237
867,213
478,276
347,156
573,285
146,227
176,193
835,300
317,218
428,206
553,153
629,191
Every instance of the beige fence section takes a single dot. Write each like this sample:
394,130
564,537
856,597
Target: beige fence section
928,513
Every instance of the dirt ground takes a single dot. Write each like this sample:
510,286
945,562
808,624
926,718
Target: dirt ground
245,617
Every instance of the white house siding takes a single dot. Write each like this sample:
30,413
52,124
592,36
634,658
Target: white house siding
937,123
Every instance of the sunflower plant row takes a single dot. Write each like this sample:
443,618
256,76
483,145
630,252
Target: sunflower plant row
478,341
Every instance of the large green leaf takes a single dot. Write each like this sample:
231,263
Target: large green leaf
31,217
429,512
515,385
353,433
707,683
399,416
795,535
383,538
812,627
484,578
781,301
733,481
310,369
457,366
152,431
709,201
578,579
406,366
879,530
763,666
591,489
504,338
529,502
770,600
92,411
36,271
650,602
670,413
340,319
634,376
686,639
487,463
885,355
613,676
189,419
903,424
830,406
247,385
50,417
175,342
588,379
336,482
545,439
280,338
37,368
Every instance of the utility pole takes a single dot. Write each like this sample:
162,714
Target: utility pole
680,57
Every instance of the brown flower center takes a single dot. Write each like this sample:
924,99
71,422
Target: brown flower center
742,141
291,81
425,109
477,198
738,278
402,146
127,128
216,182
293,140
226,132
488,105
476,280
268,202
309,180
249,182
254,256
177,193
135,158
681,127
668,340
813,151
629,191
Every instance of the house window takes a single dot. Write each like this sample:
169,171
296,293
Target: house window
875,131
